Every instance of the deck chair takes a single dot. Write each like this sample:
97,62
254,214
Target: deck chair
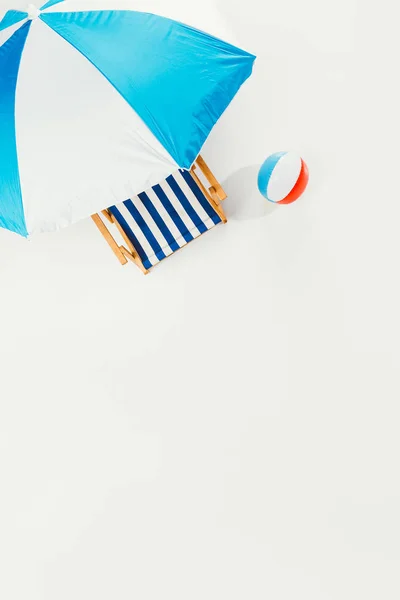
160,221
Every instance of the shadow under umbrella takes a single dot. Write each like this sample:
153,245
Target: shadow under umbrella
244,199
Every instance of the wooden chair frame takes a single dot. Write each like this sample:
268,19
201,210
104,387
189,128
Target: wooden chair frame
212,191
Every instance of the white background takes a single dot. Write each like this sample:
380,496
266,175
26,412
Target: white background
226,427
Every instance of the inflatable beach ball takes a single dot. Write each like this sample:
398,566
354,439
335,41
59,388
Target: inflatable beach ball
283,177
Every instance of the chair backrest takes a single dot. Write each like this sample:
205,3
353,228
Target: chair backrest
167,217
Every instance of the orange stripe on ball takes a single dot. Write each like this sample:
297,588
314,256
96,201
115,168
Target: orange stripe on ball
300,186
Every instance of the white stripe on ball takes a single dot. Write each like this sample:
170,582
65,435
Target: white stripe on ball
284,177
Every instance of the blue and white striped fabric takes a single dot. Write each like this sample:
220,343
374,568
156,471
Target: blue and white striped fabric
166,217
101,99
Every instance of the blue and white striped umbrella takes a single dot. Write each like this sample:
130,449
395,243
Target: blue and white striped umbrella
99,105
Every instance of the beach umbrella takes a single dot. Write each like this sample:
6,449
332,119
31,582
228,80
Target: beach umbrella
99,101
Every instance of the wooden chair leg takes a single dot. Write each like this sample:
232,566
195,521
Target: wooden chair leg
122,253
135,259
211,196
109,239
106,213
211,178
217,205
130,252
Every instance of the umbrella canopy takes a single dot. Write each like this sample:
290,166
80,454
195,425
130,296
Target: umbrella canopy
99,105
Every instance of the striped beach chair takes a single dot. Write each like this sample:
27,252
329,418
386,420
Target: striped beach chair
160,221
